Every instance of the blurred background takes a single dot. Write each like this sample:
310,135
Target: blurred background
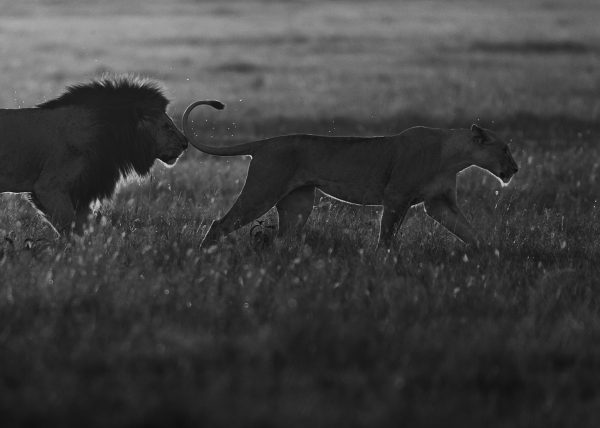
311,59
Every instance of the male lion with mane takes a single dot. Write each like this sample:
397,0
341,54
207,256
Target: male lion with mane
418,165
70,151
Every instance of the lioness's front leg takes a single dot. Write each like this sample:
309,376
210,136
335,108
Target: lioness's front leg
443,208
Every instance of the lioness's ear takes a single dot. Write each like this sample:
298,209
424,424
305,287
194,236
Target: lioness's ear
479,135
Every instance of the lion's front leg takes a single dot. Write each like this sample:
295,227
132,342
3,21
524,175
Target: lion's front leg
81,219
56,207
444,210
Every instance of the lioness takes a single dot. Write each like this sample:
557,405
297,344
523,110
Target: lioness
417,165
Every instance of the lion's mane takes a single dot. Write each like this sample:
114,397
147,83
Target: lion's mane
118,144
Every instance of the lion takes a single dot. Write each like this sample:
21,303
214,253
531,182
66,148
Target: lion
419,165
70,151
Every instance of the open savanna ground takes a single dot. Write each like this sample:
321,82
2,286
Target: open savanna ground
134,325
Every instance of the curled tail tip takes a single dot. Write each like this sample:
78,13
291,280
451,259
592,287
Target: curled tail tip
215,104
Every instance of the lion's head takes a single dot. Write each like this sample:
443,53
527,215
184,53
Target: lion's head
169,142
129,130
491,153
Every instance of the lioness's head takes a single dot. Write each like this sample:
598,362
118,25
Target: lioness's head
491,153
169,142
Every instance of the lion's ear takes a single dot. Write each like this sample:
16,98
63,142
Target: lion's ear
479,135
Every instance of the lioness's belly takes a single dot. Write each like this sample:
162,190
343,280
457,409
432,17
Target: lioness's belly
353,172
363,194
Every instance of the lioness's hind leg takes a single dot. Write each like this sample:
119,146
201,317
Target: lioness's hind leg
259,195
294,209
242,213
394,211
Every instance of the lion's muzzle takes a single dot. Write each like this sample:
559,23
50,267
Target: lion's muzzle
507,174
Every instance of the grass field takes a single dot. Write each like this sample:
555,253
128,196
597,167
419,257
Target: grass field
134,326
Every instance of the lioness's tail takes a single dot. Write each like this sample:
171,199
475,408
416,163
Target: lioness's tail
241,149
